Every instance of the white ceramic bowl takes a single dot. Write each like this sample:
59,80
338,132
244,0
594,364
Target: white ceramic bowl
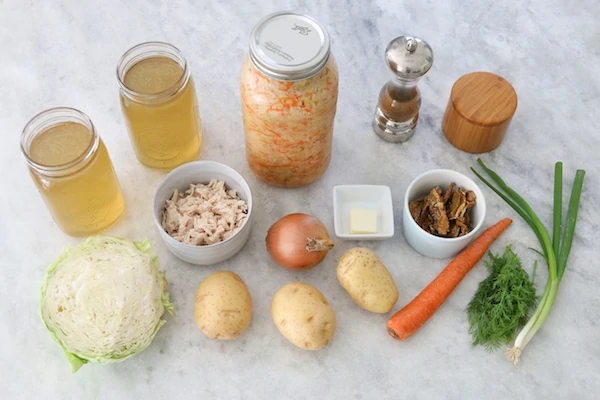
374,197
424,242
202,172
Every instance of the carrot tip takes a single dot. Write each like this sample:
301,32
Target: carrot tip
393,333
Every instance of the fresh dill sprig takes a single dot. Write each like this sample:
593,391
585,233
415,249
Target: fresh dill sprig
502,302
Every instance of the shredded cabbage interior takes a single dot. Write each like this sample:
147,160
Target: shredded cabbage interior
289,124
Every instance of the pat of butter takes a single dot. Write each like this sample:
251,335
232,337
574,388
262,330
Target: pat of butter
363,221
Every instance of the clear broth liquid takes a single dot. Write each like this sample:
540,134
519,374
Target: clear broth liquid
164,134
86,201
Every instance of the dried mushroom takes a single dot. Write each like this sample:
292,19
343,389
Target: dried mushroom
437,208
444,214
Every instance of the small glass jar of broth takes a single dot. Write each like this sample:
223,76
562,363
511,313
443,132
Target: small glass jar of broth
72,171
159,105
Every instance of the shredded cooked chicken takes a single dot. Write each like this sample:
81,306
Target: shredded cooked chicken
204,214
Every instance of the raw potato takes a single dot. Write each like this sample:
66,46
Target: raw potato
303,316
223,306
367,280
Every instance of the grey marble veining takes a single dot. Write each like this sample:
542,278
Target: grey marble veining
65,53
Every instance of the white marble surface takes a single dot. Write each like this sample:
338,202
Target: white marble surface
65,53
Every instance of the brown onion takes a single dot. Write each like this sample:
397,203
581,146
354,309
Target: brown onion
298,241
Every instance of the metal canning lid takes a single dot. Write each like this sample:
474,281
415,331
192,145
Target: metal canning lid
409,57
289,46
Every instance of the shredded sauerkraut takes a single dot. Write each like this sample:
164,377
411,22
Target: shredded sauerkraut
289,124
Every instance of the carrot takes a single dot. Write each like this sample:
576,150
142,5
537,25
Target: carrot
409,319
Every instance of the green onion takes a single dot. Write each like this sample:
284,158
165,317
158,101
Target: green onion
557,207
554,250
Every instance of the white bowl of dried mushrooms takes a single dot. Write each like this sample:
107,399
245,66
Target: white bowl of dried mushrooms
443,212
203,212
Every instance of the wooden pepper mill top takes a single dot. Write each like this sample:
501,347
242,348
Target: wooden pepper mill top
479,111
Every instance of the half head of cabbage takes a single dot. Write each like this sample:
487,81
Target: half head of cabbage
102,301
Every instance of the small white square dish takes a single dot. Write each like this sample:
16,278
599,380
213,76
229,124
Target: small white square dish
366,197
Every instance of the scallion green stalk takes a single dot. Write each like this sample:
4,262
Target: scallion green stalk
557,207
554,250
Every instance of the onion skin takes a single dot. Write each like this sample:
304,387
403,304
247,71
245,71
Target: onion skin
298,241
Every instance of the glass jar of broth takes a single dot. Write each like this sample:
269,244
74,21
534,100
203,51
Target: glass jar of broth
72,171
159,105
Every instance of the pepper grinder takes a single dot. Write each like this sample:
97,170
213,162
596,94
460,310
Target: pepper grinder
397,112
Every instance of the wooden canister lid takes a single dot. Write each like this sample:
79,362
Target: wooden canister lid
479,110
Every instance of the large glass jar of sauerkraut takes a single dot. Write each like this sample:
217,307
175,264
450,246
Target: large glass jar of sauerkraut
289,90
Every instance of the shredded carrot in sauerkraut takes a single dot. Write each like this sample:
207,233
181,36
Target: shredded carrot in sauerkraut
289,124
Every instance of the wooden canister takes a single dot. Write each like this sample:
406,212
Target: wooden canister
479,110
